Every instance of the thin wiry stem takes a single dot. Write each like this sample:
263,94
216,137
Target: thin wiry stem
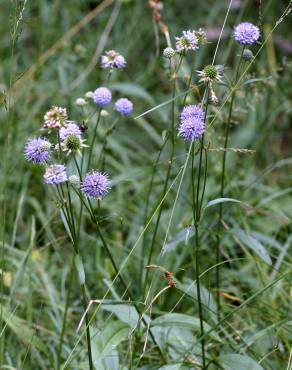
110,256
154,170
197,206
222,189
64,323
168,172
69,216
90,210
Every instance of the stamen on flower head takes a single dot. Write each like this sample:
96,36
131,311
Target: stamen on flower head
113,59
56,117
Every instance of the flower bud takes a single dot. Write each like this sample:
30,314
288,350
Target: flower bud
89,95
104,113
80,102
247,54
168,53
74,180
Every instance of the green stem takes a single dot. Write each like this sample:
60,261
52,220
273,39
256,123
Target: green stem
154,169
125,286
85,303
70,221
197,206
96,126
93,139
102,154
222,188
168,173
64,323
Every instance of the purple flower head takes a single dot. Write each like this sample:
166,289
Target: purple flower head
113,59
37,150
124,106
96,184
55,174
192,111
188,41
191,128
70,129
192,122
102,96
246,33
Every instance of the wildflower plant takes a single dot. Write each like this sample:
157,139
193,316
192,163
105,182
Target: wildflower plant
79,159
68,176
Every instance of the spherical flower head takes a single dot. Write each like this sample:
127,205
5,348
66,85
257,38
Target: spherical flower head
73,144
192,111
56,117
191,128
104,113
188,41
89,95
70,129
37,150
247,54
246,33
55,174
124,106
168,53
81,102
209,74
102,96
74,180
96,184
113,59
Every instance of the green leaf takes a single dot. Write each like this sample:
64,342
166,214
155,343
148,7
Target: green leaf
182,235
235,361
105,342
252,243
264,332
183,321
125,313
225,200
79,268
132,90
20,328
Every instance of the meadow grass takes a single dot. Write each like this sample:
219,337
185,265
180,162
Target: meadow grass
186,263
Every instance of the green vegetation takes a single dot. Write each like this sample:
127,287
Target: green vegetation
162,235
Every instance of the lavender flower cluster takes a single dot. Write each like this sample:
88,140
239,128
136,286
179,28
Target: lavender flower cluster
39,150
192,118
102,97
192,124
95,184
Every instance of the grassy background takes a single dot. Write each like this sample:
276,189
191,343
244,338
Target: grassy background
42,65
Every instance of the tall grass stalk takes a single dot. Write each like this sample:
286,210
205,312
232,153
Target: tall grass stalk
88,206
222,185
169,167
